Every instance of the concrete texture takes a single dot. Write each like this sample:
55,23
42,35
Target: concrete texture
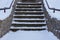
5,25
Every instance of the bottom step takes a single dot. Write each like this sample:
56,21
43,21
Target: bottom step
28,28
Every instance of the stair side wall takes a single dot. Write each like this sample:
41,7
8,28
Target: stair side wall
27,0
53,24
5,25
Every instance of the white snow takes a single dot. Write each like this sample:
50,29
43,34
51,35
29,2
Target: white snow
5,3
29,35
53,4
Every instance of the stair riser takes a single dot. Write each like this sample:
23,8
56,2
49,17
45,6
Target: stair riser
29,20
28,13
24,3
28,25
26,6
28,10
28,29
29,17
29,4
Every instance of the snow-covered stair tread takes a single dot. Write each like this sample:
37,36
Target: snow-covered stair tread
26,6
28,3
30,8
30,11
29,27
29,16
28,22
27,19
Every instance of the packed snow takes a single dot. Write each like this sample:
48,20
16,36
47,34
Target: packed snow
29,35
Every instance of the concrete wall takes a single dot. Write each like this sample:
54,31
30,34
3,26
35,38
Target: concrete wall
27,0
53,24
5,25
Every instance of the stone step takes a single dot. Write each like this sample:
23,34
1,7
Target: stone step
22,20
29,6
28,25
29,3
30,19
13,22
12,27
29,9
29,15
41,17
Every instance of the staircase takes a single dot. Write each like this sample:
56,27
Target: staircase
29,16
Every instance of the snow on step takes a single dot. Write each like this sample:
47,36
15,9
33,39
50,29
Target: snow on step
30,8
30,11
29,15
27,19
13,22
28,3
12,27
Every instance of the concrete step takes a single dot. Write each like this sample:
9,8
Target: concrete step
16,24
29,6
22,20
29,3
44,27
28,25
29,9
29,19
29,15
41,17
13,22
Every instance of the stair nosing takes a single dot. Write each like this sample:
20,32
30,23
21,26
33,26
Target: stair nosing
29,11
29,15
27,19
29,8
13,22
12,27
29,3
